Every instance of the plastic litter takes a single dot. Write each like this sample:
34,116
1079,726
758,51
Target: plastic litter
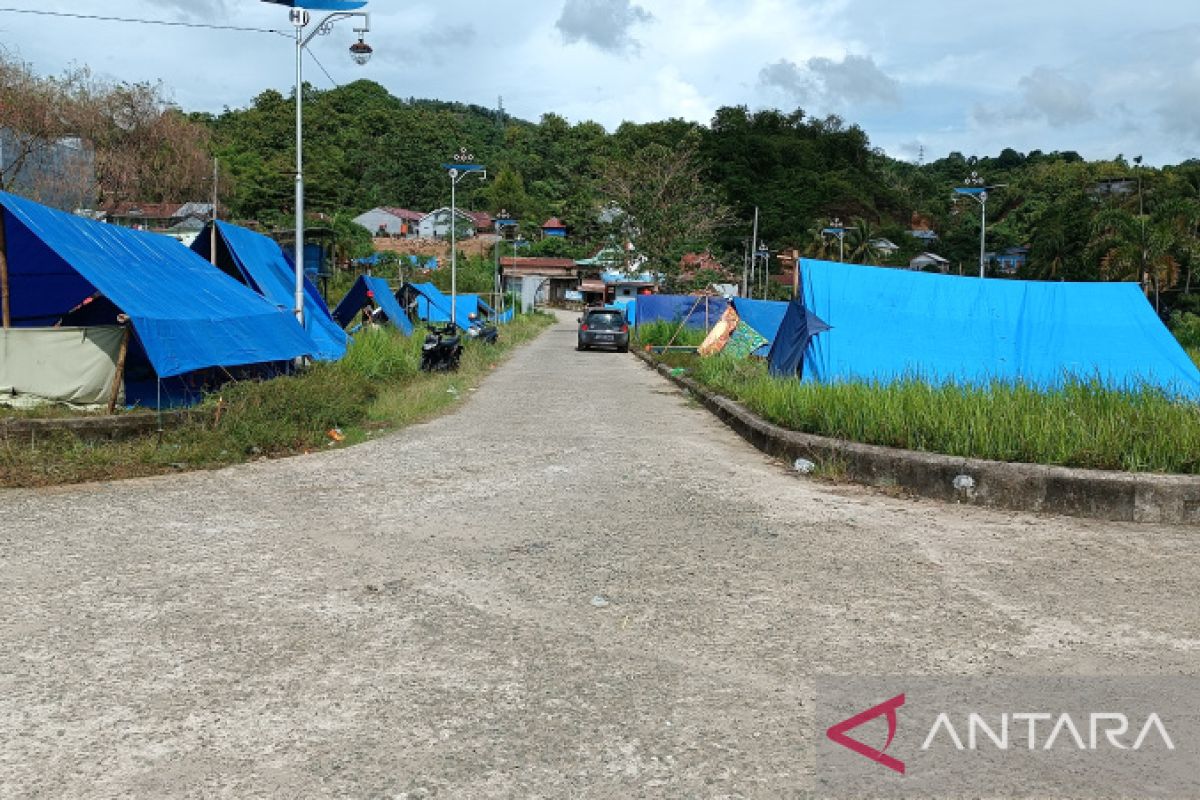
600,601
804,466
964,483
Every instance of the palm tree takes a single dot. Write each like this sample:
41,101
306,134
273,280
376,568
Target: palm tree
1138,247
860,243
819,244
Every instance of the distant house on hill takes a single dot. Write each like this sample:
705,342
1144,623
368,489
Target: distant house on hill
1010,261
180,220
554,227
928,261
885,246
923,234
436,224
390,221
1114,186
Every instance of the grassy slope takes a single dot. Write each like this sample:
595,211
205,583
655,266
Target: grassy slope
377,387
1080,425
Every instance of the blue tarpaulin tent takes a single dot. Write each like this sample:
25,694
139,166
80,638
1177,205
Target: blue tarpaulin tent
368,289
260,263
891,323
434,306
187,315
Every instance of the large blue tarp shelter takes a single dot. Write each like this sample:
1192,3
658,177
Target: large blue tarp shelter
696,312
890,323
366,290
260,263
186,315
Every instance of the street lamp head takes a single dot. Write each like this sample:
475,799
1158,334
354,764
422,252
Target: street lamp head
361,52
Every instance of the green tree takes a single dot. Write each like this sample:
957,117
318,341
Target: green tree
662,205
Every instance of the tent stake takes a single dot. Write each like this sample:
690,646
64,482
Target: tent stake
120,373
4,309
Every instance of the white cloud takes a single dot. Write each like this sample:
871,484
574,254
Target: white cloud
853,81
606,24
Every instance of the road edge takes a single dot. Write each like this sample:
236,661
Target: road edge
1095,494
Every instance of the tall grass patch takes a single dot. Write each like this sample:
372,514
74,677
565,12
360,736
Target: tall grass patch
1081,424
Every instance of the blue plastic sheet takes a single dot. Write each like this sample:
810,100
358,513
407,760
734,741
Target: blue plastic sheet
786,352
699,312
368,289
893,323
187,315
434,306
266,268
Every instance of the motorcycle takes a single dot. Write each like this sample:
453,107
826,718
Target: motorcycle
442,349
484,332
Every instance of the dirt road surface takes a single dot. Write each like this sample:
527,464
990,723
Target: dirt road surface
578,585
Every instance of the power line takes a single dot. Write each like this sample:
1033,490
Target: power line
166,23
313,56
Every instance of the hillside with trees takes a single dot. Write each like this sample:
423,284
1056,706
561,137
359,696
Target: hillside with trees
682,186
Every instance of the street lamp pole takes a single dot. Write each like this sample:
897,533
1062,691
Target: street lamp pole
462,167
838,229
361,53
976,188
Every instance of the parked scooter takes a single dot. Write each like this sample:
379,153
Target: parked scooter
442,349
484,332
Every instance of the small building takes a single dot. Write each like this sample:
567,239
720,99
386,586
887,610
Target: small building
384,221
160,217
436,224
483,221
923,234
1114,186
927,262
556,276
886,247
1010,261
554,227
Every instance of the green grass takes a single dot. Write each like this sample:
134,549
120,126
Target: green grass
1081,425
377,386
659,334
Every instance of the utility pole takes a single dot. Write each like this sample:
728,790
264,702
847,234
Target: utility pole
212,235
753,252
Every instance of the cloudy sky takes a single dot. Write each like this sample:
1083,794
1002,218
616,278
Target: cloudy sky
1103,77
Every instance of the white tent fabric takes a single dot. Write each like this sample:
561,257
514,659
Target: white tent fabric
59,365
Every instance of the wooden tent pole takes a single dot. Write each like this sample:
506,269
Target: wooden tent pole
4,307
685,319
120,373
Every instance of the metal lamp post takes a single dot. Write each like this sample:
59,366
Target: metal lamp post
837,228
361,52
763,254
457,171
977,189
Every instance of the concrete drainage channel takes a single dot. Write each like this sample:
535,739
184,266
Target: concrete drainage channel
1128,497
119,426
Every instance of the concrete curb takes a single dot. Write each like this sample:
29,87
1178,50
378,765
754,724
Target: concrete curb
1121,496
117,426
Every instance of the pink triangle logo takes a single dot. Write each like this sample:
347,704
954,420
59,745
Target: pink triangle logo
837,733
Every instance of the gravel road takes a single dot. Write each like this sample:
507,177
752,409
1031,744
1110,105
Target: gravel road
577,585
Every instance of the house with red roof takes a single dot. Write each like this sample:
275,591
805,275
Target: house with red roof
554,227
390,221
